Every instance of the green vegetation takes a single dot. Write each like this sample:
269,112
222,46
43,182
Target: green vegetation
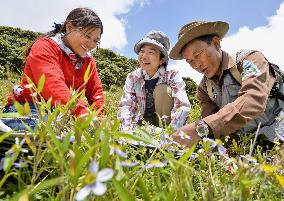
57,168
113,68
12,43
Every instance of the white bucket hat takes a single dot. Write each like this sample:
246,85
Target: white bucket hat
157,38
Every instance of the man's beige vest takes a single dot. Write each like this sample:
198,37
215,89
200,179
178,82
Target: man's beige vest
229,93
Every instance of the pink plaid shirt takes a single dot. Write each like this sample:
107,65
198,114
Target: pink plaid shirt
133,101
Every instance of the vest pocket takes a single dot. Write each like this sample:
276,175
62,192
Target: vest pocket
233,90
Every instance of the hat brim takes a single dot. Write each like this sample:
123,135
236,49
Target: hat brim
207,28
144,41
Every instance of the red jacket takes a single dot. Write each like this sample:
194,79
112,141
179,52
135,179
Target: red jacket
47,58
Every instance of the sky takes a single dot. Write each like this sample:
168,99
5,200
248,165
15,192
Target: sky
254,24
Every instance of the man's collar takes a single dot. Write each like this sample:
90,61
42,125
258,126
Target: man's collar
226,63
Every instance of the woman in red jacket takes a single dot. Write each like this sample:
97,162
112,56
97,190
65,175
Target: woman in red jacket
62,56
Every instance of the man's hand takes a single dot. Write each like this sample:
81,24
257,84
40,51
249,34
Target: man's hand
186,136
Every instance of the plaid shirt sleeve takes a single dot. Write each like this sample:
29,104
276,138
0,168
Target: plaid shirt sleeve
182,105
128,107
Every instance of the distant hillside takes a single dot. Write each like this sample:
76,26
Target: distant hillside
113,68
12,42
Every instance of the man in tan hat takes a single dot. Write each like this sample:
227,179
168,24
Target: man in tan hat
237,93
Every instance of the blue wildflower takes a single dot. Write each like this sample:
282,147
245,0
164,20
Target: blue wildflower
128,163
115,149
20,164
95,178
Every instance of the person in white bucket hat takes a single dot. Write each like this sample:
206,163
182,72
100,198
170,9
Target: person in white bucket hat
153,92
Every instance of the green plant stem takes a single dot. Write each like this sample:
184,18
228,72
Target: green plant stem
210,173
139,172
253,144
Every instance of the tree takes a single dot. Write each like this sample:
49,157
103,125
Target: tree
12,43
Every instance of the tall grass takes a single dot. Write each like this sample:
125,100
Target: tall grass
61,149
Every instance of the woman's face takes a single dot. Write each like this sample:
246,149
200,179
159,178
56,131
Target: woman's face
204,58
81,41
149,58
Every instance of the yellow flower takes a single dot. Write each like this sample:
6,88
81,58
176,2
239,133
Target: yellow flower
280,179
268,169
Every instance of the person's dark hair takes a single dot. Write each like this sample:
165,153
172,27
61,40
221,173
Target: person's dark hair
82,18
162,56
207,38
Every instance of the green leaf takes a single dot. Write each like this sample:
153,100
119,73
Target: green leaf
84,121
4,136
24,197
186,156
10,115
9,160
19,108
235,145
119,170
248,183
48,104
48,183
41,83
27,109
87,73
171,195
132,137
5,177
82,161
143,189
39,186
123,194
105,149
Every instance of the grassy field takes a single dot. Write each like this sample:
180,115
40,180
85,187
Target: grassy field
45,167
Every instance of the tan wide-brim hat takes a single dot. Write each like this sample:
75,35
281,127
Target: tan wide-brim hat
194,30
